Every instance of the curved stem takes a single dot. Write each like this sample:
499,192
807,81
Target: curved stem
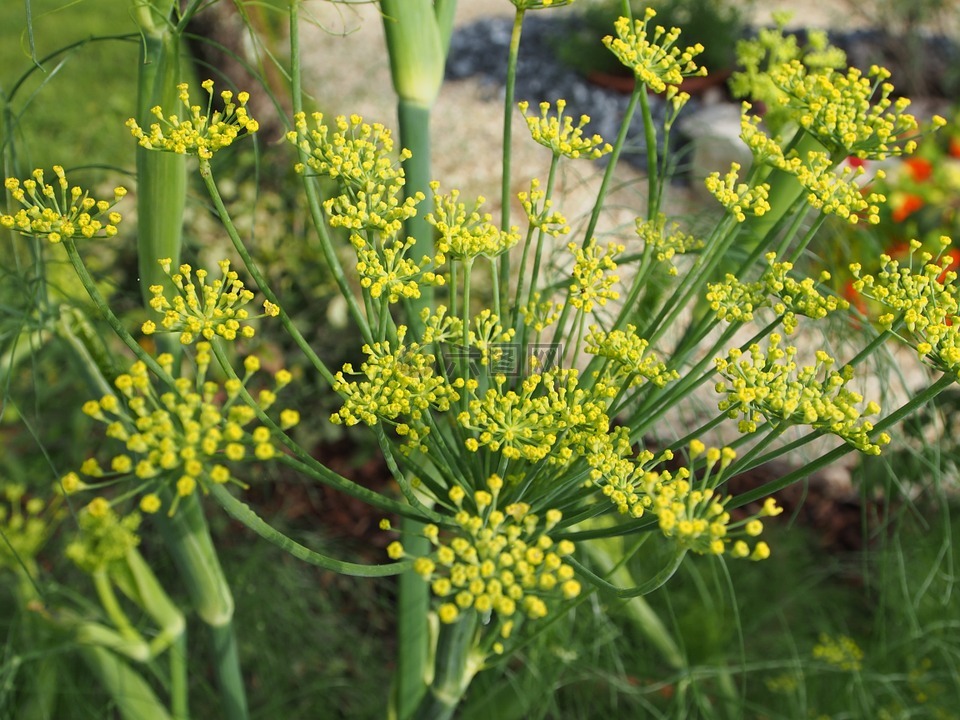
241,512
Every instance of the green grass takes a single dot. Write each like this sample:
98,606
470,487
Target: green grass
67,108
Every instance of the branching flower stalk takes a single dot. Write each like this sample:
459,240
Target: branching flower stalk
527,437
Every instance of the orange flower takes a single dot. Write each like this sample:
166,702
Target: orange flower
954,148
920,169
854,297
909,205
954,255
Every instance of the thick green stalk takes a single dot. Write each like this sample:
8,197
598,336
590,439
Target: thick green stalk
188,538
161,177
133,696
416,45
456,665
417,37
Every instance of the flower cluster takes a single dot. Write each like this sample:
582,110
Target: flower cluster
183,436
204,132
62,212
830,190
558,133
400,386
841,652
201,309
463,234
769,385
666,243
656,62
547,418
633,365
25,525
926,300
104,538
591,281
738,197
835,192
845,112
689,511
696,517
498,561
386,271
540,215
377,209
356,153
735,301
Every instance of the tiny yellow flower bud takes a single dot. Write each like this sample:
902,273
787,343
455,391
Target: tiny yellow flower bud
150,503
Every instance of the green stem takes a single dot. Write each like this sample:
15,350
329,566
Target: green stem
179,678
206,172
91,287
133,696
188,538
241,512
655,582
612,164
226,658
455,665
161,176
508,103
312,194
650,134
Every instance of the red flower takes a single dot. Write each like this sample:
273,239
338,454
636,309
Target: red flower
855,162
854,298
920,169
954,148
911,203
954,255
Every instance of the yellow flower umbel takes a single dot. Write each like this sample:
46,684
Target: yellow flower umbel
735,301
496,561
105,537
463,234
923,300
182,437
592,281
632,364
540,213
737,197
655,62
558,133
356,153
770,385
399,386
60,212
840,651
26,523
200,134
666,242
204,310
849,114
